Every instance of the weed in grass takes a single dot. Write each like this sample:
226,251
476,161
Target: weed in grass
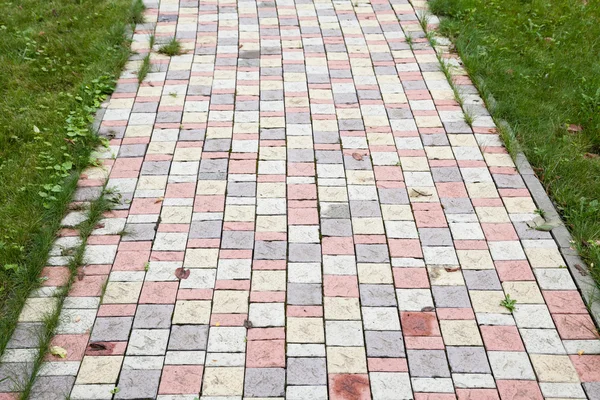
54,72
508,303
137,12
537,66
468,115
151,41
409,39
145,67
171,48
50,323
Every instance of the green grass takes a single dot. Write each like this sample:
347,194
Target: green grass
171,48
540,60
58,60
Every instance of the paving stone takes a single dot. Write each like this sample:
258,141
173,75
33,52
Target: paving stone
153,316
111,329
377,295
264,382
468,359
428,363
384,344
135,384
306,371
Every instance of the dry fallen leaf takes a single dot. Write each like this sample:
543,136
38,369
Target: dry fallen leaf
77,318
574,128
97,346
58,351
159,200
590,155
452,269
357,156
182,273
580,352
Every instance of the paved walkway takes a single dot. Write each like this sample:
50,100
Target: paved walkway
307,215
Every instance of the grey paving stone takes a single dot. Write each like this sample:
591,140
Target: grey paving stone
435,237
451,296
52,387
306,371
374,253
384,344
206,229
365,208
304,294
14,375
428,364
468,359
336,227
328,157
138,232
155,168
446,174
393,196
188,337
264,382
132,150
138,384
153,316
302,252
241,189
377,295
237,240
110,329
482,280
26,335
270,250
457,206
335,210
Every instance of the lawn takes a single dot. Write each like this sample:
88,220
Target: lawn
58,60
540,60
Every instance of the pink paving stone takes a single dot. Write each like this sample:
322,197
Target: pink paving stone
103,239
304,311
430,219
564,302
499,232
349,387
519,390
370,239
181,379
87,285
501,338
209,203
387,364
477,394
228,319
337,245
340,286
55,276
117,310
145,206
131,260
409,248
159,293
167,256
265,353
419,324
518,270
135,246
451,190
73,344
410,278
575,326
302,192
109,349
303,216
267,297
183,190
240,284
470,245
587,366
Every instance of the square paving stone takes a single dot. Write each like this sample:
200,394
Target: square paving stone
428,363
306,371
264,382
138,232
111,329
377,295
13,374
138,384
153,316
468,359
384,344
188,337
148,342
